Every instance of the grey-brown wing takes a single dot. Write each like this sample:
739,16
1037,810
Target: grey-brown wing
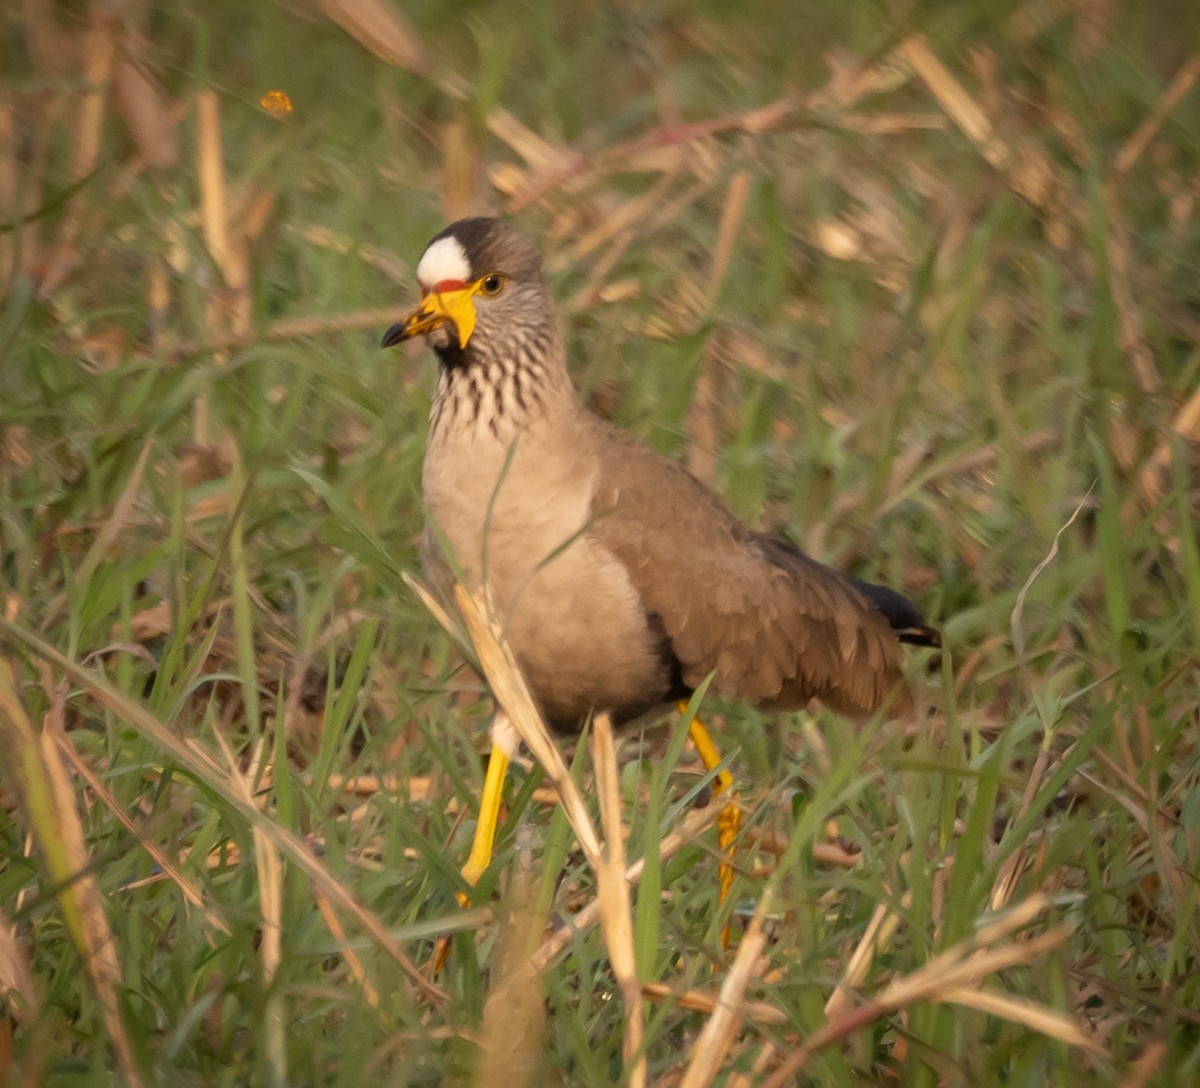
776,627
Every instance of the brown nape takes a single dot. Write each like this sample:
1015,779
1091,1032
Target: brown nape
622,581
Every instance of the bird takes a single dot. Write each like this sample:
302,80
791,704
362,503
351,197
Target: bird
621,581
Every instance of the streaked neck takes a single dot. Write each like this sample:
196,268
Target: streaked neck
495,396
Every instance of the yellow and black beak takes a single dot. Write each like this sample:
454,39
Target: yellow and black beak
450,300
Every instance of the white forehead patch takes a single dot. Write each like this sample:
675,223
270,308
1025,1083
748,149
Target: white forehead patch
445,259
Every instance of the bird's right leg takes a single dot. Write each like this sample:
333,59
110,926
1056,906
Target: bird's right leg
505,743
504,746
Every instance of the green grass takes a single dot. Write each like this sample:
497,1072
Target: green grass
928,368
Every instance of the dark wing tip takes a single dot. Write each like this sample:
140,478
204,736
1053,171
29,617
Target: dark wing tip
901,614
920,634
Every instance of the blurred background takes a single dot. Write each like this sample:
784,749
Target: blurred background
914,285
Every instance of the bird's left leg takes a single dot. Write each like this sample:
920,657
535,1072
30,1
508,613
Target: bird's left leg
729,821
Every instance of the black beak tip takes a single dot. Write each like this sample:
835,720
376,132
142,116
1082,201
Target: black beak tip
394,335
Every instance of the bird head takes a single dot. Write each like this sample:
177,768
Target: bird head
481,283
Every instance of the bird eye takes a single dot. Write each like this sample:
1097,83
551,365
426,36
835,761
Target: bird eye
493,283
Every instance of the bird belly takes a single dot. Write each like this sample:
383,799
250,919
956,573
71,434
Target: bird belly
567,606
583,640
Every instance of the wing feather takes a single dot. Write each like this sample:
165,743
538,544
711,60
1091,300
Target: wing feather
776,627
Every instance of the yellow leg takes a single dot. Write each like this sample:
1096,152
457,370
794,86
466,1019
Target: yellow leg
730,819
489,816
485,835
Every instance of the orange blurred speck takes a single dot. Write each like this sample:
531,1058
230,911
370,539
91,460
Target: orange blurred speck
276,103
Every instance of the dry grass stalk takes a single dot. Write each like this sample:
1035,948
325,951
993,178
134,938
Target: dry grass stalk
381,28
96,941
732,211
383,260
1010,872
508,686
48,799
10,212
596,287
514,1014
16,980
97,944
147,115
51,48
760,1012
226,244
758,1068
721,1028
169,869
370,991
621,219
213,223
823,853
1019,1011
117,520
1148,1063
120,517
434,607
878,935
1027,169
539,154
220,344
270,902
658,151
416,788
219,233
693,824
191,756
616,910
1132,149
99,52
1186,425
1131,333
461,173
37,166
607,859
954,976
950,94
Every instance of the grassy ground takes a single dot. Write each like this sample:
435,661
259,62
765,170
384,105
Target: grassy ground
919,289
